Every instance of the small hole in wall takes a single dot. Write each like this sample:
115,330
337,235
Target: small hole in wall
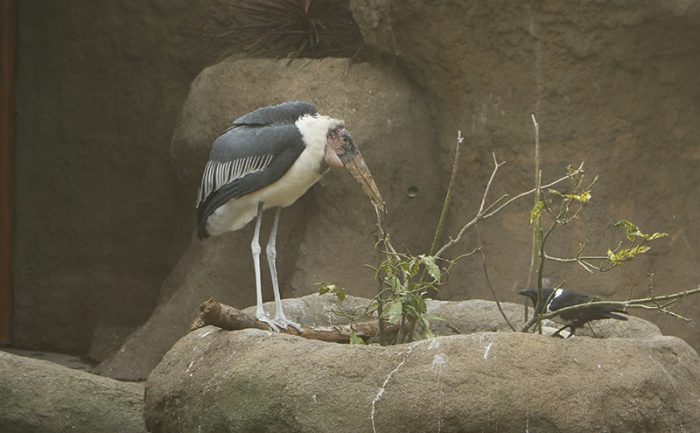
412,191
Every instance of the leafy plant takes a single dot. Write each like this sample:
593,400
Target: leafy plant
402,301
406,287
405,280
562,208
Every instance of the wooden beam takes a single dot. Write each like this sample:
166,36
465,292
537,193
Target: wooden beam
7,136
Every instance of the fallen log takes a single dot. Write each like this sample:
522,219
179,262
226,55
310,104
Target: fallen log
213,312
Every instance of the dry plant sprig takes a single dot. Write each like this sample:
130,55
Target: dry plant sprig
580,258
486,212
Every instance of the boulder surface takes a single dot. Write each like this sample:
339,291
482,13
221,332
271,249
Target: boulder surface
251,381
40,396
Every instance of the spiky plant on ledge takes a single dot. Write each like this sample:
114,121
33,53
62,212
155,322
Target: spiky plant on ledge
296,28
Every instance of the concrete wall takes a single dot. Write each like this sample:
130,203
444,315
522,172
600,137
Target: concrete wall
100,220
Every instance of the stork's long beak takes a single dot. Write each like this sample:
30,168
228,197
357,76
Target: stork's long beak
358,168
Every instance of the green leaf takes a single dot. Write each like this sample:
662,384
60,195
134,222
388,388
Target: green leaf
625,254
334,290
633,232
426,327
584,197
631,229
536,212
393,311
411,312
419,304
656,235
393,282
354,338
611,256
432,267
326,288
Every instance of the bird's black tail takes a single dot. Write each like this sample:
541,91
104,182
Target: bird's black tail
612,314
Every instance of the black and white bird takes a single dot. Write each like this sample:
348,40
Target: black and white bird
560,298
267,160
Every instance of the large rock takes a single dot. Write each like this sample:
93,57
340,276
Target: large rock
40,396
614,84
219,381
327,236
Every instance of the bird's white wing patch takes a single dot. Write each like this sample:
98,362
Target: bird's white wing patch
219,173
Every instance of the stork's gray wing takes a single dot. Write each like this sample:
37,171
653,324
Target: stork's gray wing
285,113
244,160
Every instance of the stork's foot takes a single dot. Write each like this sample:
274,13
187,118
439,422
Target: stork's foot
274,326
284,323
279,322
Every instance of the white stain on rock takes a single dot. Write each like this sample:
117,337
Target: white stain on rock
382,389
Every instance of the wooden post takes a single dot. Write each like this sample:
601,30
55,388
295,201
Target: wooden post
7,124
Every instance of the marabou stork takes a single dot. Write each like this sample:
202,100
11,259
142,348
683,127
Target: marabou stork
268,159
560,298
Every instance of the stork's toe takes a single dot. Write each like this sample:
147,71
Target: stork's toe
279,323
285,323
273,324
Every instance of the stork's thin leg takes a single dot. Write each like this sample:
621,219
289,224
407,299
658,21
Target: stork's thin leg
255,248
271,250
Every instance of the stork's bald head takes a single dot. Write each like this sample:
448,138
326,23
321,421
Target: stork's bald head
342,152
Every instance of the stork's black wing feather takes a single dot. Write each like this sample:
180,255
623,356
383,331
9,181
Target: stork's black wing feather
244,160
245,185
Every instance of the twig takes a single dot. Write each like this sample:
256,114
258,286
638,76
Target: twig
540,270
493,292
480,213
526,193
448,195
382,239
536,230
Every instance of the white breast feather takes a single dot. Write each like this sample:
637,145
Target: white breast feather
305,172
